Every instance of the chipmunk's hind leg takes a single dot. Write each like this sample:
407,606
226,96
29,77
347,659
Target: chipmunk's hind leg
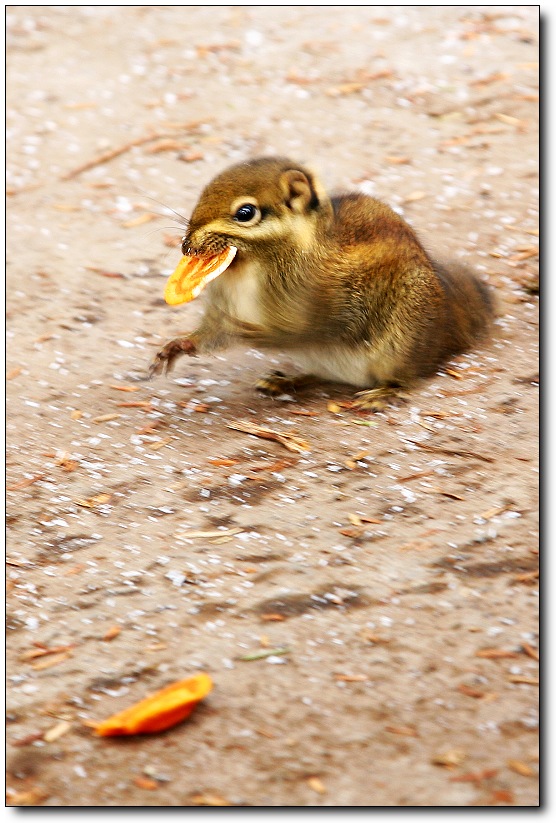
277,383
380,398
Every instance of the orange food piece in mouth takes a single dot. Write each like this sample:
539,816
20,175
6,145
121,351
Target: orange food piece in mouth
160,711
192,274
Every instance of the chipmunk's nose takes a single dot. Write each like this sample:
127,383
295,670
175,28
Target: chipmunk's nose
188,246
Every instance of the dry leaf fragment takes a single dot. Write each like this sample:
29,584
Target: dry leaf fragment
195,406
316,784
351,462
93,502
51,661
469,691
111,633
495,77
414,196
345,88
370,637
371,424
104,418
397,161
353,531
501,796
406,731
159,711
290,441
193,534
145,783
56,731
525,253
13,373
474,777
530,681
360,455
493,512
28,797
526,577
125,388
521,768
304,413
66,463
159,444
74,570
452,757
293,77
495,654
276,466
150,427
455,141
191,156
506,118
81,104
351,678
76,414
42,651
209,800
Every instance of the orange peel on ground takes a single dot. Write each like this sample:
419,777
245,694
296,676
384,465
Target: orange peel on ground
193,273
159,711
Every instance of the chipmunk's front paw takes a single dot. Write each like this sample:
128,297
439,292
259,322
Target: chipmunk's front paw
164,359
377,400
277,383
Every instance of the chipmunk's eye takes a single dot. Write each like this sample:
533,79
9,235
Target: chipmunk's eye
247,214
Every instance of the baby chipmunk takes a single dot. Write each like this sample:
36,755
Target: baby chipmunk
341,283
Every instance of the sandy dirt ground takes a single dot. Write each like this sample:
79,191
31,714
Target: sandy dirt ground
367,608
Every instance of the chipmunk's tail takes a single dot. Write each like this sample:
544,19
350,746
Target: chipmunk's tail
470,305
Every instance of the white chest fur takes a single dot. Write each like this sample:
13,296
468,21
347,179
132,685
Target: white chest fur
240,289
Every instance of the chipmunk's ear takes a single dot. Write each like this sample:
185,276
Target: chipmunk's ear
299,191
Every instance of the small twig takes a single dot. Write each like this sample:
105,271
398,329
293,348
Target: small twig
529,681
472,390
260,655
530,651
111,154
106,156
453,452
24,483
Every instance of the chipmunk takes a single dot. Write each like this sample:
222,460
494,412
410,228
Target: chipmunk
341,283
